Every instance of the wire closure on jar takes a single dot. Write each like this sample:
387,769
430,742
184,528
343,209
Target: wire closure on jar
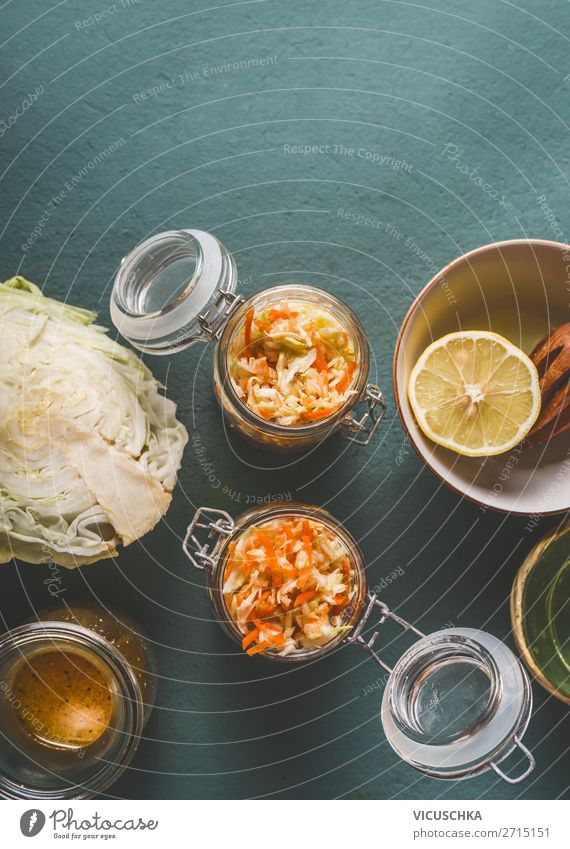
213,326
531,765
385,613
361,431
201,554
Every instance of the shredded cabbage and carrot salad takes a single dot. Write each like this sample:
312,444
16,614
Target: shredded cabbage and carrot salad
292,363
287,584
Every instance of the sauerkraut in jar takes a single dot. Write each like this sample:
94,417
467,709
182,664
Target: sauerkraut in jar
290,368
288,583
292,362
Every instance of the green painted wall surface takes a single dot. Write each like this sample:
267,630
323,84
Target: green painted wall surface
275,125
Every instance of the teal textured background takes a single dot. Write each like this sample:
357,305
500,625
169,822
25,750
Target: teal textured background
211,146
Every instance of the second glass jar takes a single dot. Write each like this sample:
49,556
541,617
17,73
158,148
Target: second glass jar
288,582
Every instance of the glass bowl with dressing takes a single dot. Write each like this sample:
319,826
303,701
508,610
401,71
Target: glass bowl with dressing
77,686
288,583
291,364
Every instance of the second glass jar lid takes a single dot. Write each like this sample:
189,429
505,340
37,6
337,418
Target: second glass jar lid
457,703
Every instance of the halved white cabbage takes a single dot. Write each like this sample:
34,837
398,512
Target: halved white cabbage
89,449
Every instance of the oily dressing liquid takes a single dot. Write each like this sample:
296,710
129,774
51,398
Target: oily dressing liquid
64,700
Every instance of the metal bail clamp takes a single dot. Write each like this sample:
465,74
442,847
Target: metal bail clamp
218,523
213,327
385,613
531,765
360,431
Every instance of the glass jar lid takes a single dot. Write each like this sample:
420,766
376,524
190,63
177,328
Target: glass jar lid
457,703
173,290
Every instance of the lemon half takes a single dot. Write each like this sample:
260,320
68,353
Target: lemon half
475,393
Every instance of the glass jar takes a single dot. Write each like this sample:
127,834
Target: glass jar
540,612
213,559
179,288
76,688
458,701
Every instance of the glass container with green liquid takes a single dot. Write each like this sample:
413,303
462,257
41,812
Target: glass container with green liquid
540,610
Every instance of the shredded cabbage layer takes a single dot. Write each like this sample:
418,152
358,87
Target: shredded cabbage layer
89,448
292,363
288,585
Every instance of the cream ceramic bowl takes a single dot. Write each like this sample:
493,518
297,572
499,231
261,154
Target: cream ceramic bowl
520,289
